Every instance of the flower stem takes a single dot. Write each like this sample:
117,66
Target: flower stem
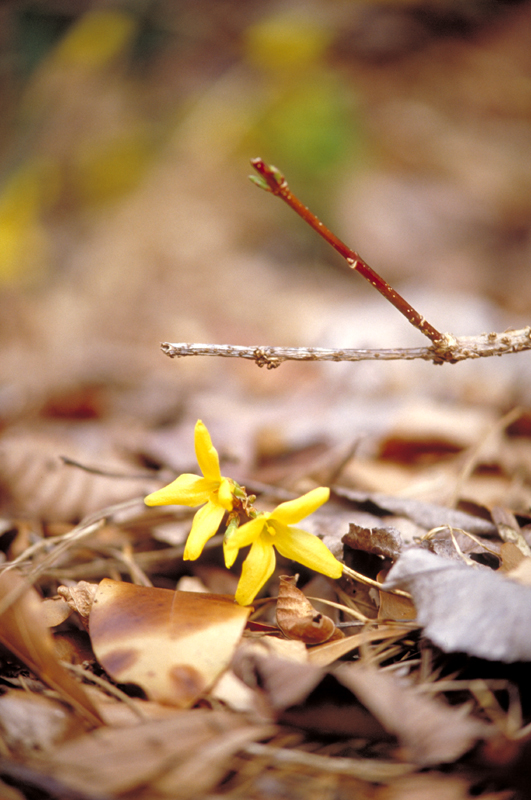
273,181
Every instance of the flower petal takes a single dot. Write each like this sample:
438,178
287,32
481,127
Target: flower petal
241,537
186,490
225,494
206,453
205,525
307,549
293,511
256,571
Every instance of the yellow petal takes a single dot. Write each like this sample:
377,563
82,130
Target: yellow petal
306,549
186,490
256,571
294,510
206,453
241,537
225,494
205,525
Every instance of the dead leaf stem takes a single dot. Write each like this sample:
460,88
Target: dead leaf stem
369,581
365,769
345,609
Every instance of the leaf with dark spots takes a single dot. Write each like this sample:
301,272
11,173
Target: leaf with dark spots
172,644
466,609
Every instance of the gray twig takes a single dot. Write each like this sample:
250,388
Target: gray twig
449,348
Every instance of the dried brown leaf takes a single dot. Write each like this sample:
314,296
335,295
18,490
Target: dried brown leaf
329,652
394,606
32,722
380,541
54,611
298,619
24,632
158,753
306,696
285,674
522,572
511,556
429,731
41,485
172,644
9,793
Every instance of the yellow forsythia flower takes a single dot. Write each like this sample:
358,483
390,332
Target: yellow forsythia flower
272,530
212,491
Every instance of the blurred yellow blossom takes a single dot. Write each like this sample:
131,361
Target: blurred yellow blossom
286,41
96,38
24,197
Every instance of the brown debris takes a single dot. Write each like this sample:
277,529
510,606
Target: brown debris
298,619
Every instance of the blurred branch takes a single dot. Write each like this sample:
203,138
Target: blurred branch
450,349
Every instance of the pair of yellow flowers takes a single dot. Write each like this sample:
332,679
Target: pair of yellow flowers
218,495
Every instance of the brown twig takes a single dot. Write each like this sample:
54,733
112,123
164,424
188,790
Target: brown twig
273,181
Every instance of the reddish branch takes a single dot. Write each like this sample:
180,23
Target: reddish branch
273,181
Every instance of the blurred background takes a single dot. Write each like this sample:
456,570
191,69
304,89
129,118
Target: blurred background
127,219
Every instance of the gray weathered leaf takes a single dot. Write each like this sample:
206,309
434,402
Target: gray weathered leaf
466,609
428,515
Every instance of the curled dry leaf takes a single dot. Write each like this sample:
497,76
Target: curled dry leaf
79,598
174,645
24,632
54,611
298,619
381,541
